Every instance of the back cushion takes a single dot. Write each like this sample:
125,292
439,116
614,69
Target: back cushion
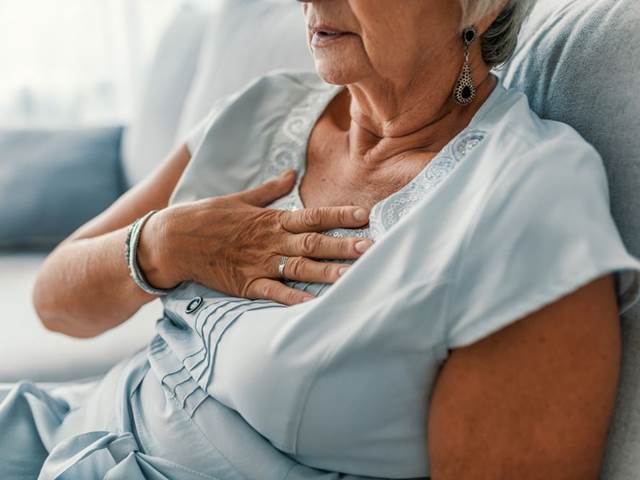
246,39
150,136
578,62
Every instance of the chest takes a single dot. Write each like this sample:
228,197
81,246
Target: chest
334,177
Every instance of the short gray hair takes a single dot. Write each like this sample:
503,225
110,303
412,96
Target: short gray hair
500,39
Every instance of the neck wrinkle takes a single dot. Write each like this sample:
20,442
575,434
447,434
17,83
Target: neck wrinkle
386,121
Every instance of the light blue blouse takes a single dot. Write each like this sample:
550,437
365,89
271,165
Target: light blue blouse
510,216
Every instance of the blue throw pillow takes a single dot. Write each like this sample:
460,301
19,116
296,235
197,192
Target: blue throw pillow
51,182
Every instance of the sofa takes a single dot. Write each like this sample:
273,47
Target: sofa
576,60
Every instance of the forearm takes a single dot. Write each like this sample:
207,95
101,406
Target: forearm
84,288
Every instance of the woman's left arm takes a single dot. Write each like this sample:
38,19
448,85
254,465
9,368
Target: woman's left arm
534,400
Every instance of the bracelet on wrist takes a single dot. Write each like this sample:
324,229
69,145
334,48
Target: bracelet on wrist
131,247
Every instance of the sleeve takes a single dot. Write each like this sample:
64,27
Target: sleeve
196,135
544,231
195,138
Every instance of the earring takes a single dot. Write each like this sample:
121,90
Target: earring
465,90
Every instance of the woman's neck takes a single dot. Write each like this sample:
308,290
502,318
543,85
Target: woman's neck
383,121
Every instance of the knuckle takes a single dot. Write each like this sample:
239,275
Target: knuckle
295,267
281,218
343,215
347,246
287,244
275,186
311,218
269,184
267,290
276,216
249,290
309,244
328,271
292,297
270,220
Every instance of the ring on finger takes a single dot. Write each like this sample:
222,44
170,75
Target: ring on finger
281,264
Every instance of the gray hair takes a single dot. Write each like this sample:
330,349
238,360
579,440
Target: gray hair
500,39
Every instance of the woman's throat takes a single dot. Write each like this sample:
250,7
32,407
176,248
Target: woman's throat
425,130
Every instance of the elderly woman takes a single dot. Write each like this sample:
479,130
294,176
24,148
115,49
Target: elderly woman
434,294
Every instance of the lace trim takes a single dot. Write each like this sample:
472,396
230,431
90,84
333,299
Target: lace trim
289,151
387,212
291,139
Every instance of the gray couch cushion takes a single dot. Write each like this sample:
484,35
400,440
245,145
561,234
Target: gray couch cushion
577,62
51,182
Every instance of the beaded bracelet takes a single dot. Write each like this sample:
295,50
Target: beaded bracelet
131,247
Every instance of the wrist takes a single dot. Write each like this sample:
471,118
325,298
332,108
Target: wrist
152,253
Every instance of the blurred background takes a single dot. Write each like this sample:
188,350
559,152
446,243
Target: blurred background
76,62
73,77
94,94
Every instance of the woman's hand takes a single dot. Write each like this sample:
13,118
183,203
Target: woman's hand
233,244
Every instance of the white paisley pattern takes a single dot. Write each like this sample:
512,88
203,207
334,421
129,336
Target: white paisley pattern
289,150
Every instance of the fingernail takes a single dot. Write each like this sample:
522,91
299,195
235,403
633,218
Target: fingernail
360,215
343,270
286,174
363,245
306,299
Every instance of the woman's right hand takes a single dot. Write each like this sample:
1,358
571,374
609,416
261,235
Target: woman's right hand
233,244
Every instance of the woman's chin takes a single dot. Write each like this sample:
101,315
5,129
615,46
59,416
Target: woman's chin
336,73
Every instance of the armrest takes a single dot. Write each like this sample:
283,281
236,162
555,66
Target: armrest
53,181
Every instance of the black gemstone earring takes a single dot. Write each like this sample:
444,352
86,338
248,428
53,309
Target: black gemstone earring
465,90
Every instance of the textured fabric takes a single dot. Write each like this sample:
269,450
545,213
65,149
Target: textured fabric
52,182
40,431
244,40
153,130
94,430
577,62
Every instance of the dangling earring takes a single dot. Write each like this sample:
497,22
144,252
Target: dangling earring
465,90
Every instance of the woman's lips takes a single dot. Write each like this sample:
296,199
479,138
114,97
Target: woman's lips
324,37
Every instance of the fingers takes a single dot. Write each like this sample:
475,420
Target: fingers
318,245
305,270
269,191
324,218
268,289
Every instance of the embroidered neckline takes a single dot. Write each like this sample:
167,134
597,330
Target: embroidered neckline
290,148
